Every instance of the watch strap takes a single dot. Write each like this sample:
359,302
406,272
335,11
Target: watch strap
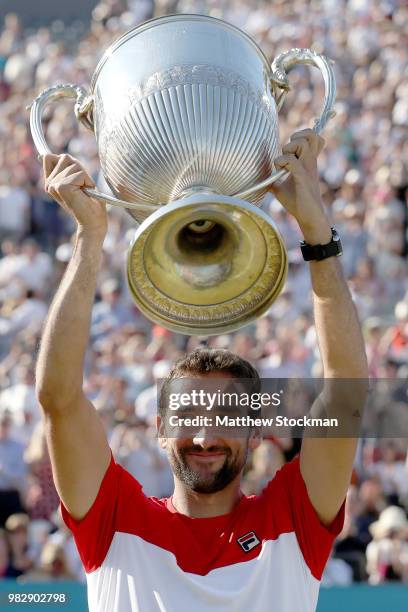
318,252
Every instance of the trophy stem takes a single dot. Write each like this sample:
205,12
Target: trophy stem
195,190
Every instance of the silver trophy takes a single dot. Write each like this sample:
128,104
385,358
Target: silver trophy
185,112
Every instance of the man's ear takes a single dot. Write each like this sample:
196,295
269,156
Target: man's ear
255,438
161,432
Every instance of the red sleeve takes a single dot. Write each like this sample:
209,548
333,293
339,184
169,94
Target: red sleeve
288,492
93,534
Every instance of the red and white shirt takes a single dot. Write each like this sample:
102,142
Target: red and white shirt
141,555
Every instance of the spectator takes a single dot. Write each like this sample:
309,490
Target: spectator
63,538
337,573
4,554
35,267
26,319
20,401
141,456
267,459
387,554
9,264
371,503
12,472
53,566
41,497
14,205
146,402
17,532
110,312
392,473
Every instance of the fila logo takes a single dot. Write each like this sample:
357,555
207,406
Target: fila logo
248,541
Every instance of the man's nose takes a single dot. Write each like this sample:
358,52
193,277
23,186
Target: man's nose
205,438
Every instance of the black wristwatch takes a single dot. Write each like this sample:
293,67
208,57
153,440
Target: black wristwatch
317,252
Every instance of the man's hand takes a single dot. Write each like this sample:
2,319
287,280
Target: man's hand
300,192
65,179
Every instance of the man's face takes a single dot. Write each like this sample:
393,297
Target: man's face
206,465
206,462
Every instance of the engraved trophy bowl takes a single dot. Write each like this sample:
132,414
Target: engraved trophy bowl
185,113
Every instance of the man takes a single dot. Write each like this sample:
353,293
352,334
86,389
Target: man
207,547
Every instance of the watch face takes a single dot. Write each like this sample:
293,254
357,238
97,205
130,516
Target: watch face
336,241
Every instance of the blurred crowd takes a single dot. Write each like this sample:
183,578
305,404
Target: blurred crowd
364,181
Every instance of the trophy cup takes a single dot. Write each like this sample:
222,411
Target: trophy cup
184,109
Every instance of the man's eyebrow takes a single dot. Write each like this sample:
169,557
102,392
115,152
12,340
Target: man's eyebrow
189,408
230,409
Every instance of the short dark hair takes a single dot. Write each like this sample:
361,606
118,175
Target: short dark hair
203,361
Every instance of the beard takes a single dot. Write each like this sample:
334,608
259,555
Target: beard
211,483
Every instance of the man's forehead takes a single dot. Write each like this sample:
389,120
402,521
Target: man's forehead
209,384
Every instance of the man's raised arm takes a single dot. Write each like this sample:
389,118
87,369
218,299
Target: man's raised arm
326,463
76,439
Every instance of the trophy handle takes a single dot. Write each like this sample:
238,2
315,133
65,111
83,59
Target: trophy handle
83,112
281,66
